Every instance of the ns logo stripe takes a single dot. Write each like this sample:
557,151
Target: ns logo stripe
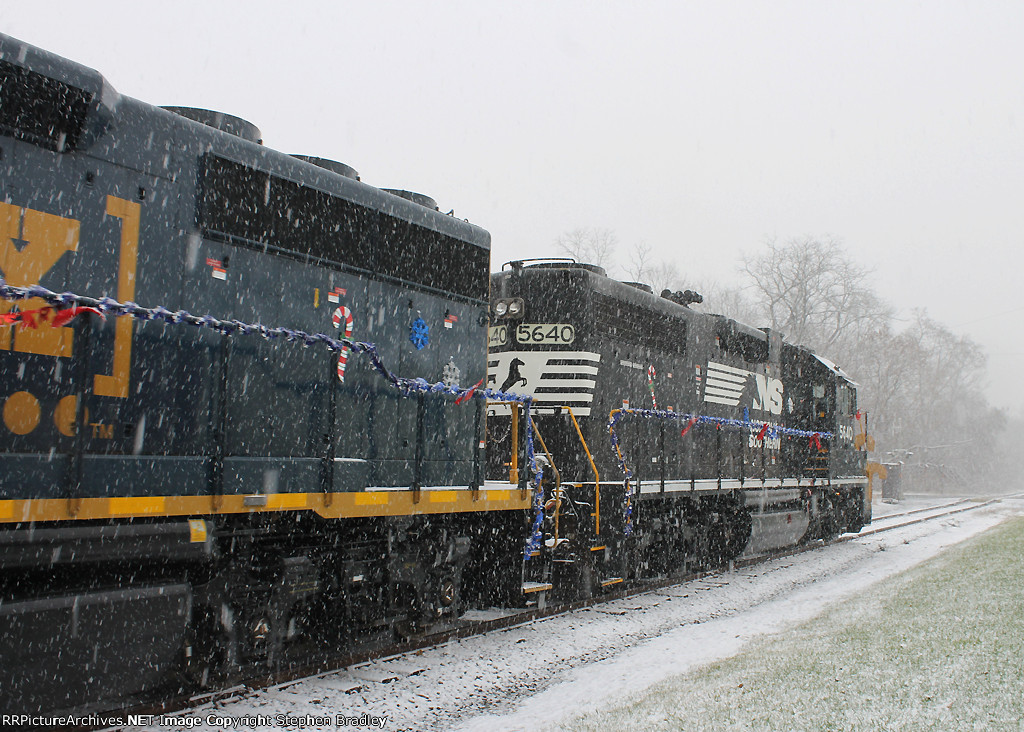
727,385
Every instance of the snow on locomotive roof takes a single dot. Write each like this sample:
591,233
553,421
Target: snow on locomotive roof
834,368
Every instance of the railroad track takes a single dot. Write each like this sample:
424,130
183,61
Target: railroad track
919,515
397,659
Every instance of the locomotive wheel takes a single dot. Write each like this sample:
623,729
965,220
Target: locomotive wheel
738,525
410,624
447,593
446,598
439,599
212,652
407,629
852,512
728,530
828,517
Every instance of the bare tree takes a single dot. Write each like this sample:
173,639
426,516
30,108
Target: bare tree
945,428
1010,445
665,276
922,385
639,267
659,274
592,246
729,301
811,291
881,366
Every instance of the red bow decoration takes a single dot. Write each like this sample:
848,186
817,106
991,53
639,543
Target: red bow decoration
763,432
686,429
468,394
52,316
815,441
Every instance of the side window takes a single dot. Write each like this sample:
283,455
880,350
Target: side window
846,398
821,406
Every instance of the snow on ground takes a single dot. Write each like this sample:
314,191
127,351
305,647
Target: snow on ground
534,676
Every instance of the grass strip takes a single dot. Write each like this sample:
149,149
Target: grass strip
940,647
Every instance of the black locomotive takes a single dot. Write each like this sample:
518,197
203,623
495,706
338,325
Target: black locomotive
188,495
726,439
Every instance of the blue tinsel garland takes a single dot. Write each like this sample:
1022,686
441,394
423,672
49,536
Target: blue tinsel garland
692,419
405,385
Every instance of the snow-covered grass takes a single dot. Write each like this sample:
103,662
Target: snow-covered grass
938,647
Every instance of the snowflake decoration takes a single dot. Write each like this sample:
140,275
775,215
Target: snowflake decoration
419,333
451,374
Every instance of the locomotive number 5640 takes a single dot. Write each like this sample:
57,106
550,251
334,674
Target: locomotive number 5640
545,333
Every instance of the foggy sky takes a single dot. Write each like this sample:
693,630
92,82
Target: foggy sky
700,129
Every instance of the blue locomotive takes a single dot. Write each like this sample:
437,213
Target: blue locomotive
181,503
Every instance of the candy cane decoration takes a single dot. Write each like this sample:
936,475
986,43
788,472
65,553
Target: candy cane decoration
46,316
650,384
343,314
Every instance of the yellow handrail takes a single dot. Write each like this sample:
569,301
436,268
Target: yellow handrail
513,474
514,430
557,493
597,478
551,462
513,464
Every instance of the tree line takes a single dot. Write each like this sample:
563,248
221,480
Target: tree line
921,385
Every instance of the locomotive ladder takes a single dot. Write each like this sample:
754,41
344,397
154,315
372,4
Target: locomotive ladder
596,547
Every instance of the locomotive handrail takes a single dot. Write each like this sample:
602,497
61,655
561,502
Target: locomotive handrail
558,478
68,305
513,473
551,460
570,260
597,478
613,418
766,428
514,461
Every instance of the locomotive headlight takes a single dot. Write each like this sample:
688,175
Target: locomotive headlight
500,307
515,308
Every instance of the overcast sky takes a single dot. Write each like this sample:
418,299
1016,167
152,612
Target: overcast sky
700,129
